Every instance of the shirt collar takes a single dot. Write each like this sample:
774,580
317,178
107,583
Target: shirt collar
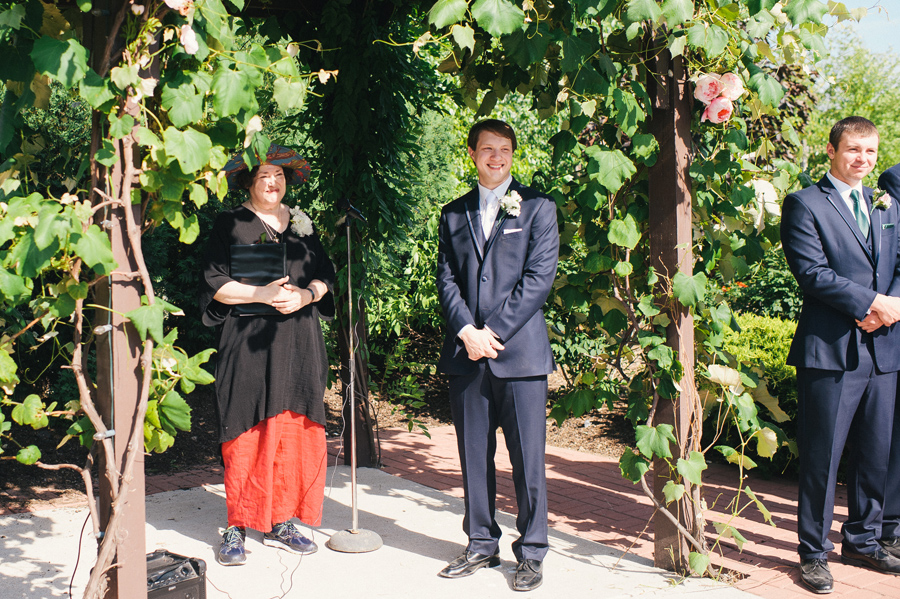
842,188
484,193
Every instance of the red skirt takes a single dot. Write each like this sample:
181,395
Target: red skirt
276,471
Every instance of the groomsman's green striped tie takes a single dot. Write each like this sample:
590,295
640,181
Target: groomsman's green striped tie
859,211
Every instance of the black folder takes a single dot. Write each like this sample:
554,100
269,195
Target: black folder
257,264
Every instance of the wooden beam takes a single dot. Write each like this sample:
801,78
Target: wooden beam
118,352
670,252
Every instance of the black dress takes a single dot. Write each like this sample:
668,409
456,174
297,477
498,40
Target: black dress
267,363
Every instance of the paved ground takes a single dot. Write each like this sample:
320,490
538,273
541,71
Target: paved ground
588,500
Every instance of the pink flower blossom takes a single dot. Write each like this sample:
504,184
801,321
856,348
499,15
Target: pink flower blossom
718,111
708,88
182,6
733,86
189,39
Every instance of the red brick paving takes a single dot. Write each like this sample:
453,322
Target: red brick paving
588,498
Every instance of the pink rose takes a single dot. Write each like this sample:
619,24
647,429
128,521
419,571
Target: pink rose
708,88
718,111
733,86
182,6
189,39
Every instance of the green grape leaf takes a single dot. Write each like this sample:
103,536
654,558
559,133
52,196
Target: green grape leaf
148,320
692,467
710,38
689,290
610,168
94,248
65,61
447,12
726,531
643,10
624,232
654,440
805,11
498,17
672,491
12,17
182,102
28,455
174,412
120,127
464,36
677,12
189,147
698,563
633,465
233,91
290,94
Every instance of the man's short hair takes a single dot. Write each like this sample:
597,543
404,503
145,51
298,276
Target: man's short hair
495,126
854,125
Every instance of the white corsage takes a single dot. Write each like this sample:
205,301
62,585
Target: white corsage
300,223
880,199
511,203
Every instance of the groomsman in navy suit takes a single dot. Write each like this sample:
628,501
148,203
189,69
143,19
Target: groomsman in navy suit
841,246
889,181
497,257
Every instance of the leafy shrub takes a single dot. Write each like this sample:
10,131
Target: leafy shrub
770,290
765,341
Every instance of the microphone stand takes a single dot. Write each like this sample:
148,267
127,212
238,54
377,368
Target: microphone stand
354,539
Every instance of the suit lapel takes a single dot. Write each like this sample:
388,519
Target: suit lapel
835,199
875,223
474,219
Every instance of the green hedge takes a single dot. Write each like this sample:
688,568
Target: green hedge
765,341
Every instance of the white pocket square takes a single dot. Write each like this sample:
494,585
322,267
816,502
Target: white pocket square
508,231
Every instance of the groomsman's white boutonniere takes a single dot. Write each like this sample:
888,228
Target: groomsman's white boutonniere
300,223
511,203
880,199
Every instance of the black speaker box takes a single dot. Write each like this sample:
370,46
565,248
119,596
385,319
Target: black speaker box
171,576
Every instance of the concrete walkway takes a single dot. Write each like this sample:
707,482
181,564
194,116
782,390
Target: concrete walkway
596,517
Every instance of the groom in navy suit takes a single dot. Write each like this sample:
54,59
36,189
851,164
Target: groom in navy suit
841,245
497,257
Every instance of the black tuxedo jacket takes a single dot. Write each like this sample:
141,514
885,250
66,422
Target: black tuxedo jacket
839,272
502,282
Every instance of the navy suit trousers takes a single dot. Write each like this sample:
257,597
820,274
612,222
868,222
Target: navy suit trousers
891,527
481,402
835,407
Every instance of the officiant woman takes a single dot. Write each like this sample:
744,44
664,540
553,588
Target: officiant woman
272,364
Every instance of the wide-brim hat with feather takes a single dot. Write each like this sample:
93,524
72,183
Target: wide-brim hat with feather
296,168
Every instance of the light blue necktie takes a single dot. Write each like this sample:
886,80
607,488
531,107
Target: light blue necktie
859,212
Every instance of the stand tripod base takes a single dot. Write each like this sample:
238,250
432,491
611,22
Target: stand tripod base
354,541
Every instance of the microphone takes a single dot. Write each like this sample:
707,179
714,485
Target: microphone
345,205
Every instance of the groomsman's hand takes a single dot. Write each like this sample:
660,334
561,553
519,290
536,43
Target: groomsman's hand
871,323
887,308
480,343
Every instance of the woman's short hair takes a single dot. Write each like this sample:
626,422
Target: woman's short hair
854,125
495,126
246,177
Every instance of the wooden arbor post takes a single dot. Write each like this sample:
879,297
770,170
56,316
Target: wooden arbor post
118,352
670,252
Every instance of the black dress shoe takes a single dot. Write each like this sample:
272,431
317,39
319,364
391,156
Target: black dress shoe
878,560
468,562
528,575
816,576
891,545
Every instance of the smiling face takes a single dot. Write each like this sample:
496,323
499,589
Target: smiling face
854,157
268,187
492,156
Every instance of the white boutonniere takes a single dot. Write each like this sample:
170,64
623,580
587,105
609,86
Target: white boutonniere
300,223
880,199
511,203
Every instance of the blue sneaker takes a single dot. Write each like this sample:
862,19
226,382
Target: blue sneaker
231,551
286,536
